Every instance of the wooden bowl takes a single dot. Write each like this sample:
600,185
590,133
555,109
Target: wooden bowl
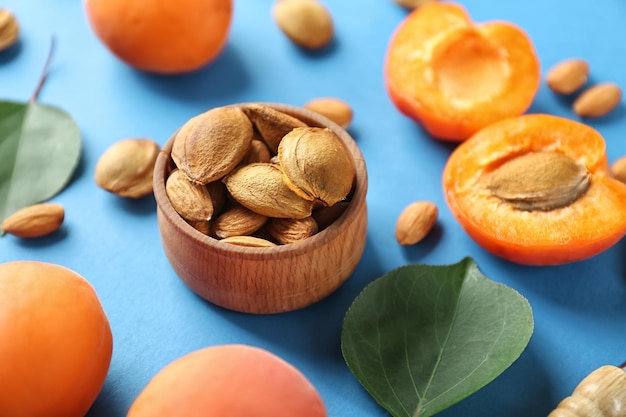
266,280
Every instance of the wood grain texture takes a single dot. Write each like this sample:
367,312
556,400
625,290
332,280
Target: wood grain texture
267,280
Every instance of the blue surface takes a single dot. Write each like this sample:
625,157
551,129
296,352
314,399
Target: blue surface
580,309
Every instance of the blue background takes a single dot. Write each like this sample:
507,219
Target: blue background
580,308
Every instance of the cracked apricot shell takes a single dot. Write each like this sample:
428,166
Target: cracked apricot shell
592,223
454,76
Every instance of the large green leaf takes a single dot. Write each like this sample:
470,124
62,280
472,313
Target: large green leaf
40,149
421,338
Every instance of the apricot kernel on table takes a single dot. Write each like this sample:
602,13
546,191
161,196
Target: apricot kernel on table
568,76
35,221
598,101
415,222
334,109
307,23
126,167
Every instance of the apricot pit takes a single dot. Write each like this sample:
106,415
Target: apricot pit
539,181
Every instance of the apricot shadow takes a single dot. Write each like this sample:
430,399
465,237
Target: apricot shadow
9,55
446,146
220,80
566,100
108,403
142,206
315,54
43,242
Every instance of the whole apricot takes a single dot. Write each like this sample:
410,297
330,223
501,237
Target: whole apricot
229,380
57,341
167,37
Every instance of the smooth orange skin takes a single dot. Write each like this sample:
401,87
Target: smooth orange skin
167,37
56,341
590,225
441,36
228,380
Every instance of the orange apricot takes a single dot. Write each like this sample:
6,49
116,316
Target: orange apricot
537,190
454,76
56,341
228,380
167,37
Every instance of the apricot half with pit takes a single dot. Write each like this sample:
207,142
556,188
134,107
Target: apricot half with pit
454,76
536,189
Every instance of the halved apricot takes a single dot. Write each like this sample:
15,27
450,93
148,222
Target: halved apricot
454,76
537,190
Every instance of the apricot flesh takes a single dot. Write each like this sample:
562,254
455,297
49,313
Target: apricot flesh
468,69
454,76
594,221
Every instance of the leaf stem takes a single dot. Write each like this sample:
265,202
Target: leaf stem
44,73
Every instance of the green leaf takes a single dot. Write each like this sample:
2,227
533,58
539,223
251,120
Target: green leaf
40,148
421,338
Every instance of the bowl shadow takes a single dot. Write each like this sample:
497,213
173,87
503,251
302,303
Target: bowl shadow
316,328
